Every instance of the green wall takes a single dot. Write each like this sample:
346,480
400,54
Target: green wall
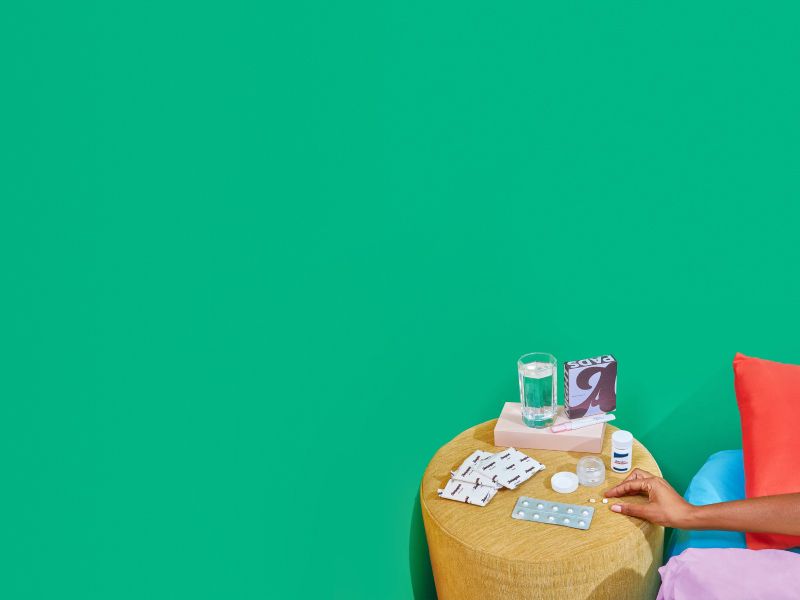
240,240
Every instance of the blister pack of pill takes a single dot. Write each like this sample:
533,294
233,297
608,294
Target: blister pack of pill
553,513
510,468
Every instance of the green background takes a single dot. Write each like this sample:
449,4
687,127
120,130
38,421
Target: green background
242,241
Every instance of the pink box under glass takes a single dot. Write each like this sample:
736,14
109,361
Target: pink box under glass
511,431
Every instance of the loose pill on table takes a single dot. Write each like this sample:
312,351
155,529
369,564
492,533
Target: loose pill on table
605,500
592,500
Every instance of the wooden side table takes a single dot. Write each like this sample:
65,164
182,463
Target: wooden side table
482,553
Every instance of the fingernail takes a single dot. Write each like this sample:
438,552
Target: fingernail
616,508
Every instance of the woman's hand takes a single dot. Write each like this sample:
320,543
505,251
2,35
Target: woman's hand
767,514
665,507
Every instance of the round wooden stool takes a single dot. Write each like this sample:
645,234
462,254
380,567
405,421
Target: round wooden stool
482,553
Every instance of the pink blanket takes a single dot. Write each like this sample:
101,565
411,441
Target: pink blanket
731,574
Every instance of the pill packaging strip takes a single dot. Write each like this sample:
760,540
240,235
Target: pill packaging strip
471,493
553,513
468,470
473,485
510,468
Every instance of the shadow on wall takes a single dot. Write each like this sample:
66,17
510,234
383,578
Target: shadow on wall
419,562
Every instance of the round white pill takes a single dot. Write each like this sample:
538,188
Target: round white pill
605,500
585,513
525,503
582,523
521,514
540,506
555,509
551,518
535,515
566,520
570,511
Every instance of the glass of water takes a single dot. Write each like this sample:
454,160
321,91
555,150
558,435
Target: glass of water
537,388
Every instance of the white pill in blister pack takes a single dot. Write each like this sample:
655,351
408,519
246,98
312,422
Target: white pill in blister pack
553,513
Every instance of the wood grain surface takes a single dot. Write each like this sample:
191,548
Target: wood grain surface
481,552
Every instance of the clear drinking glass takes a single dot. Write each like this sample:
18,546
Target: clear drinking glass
537,388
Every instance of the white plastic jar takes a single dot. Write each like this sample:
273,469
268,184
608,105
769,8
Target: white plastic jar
621,451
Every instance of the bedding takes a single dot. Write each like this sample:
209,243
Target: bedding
731,574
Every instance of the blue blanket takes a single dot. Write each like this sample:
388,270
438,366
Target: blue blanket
720,479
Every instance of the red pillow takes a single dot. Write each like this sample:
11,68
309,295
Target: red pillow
768,394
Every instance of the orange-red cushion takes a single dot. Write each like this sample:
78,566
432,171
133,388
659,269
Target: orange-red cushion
768,394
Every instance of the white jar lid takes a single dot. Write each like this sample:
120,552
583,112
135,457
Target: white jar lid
622,438
564,482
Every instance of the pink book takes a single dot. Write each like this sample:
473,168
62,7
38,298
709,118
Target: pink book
511,431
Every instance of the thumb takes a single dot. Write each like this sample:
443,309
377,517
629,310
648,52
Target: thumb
640,511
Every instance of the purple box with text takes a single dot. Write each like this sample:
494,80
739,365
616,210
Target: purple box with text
590,386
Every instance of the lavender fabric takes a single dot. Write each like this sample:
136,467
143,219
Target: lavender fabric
731,574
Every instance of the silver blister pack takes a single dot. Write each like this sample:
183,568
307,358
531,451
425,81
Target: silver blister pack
553,513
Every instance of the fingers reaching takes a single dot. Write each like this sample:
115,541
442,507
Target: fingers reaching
664,507
638,474
629,487
641,511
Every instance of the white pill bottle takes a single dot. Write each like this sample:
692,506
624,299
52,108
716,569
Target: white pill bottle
621,451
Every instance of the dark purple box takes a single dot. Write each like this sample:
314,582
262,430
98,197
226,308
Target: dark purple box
590,386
